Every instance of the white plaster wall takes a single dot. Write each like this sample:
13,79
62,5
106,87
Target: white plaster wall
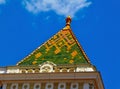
13,70
84,69
2,70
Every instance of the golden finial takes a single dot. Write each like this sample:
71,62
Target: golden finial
68,21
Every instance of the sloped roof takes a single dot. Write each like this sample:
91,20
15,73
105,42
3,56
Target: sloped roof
62,48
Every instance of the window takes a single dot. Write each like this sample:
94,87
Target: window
37,86
74,86
14,86
62,86
25,86
49,86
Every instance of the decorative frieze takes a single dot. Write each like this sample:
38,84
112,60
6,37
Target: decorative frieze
49,85
48,67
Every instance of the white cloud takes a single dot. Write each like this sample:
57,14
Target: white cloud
61,7
2,1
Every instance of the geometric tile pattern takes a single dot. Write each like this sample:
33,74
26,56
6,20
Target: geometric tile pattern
62,48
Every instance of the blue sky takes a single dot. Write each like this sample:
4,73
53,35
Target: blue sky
26,24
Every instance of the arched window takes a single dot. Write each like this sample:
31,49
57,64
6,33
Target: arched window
49,86
74,86
37,86
14,86
62,86
25,86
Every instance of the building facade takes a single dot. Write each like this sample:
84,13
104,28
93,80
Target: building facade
59,63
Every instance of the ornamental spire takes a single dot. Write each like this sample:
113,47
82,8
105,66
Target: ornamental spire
68,21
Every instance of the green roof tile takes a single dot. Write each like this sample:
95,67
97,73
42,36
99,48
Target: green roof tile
62,48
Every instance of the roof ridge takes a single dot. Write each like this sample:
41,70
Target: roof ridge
79,45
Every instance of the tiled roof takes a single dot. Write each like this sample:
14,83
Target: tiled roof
62,48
